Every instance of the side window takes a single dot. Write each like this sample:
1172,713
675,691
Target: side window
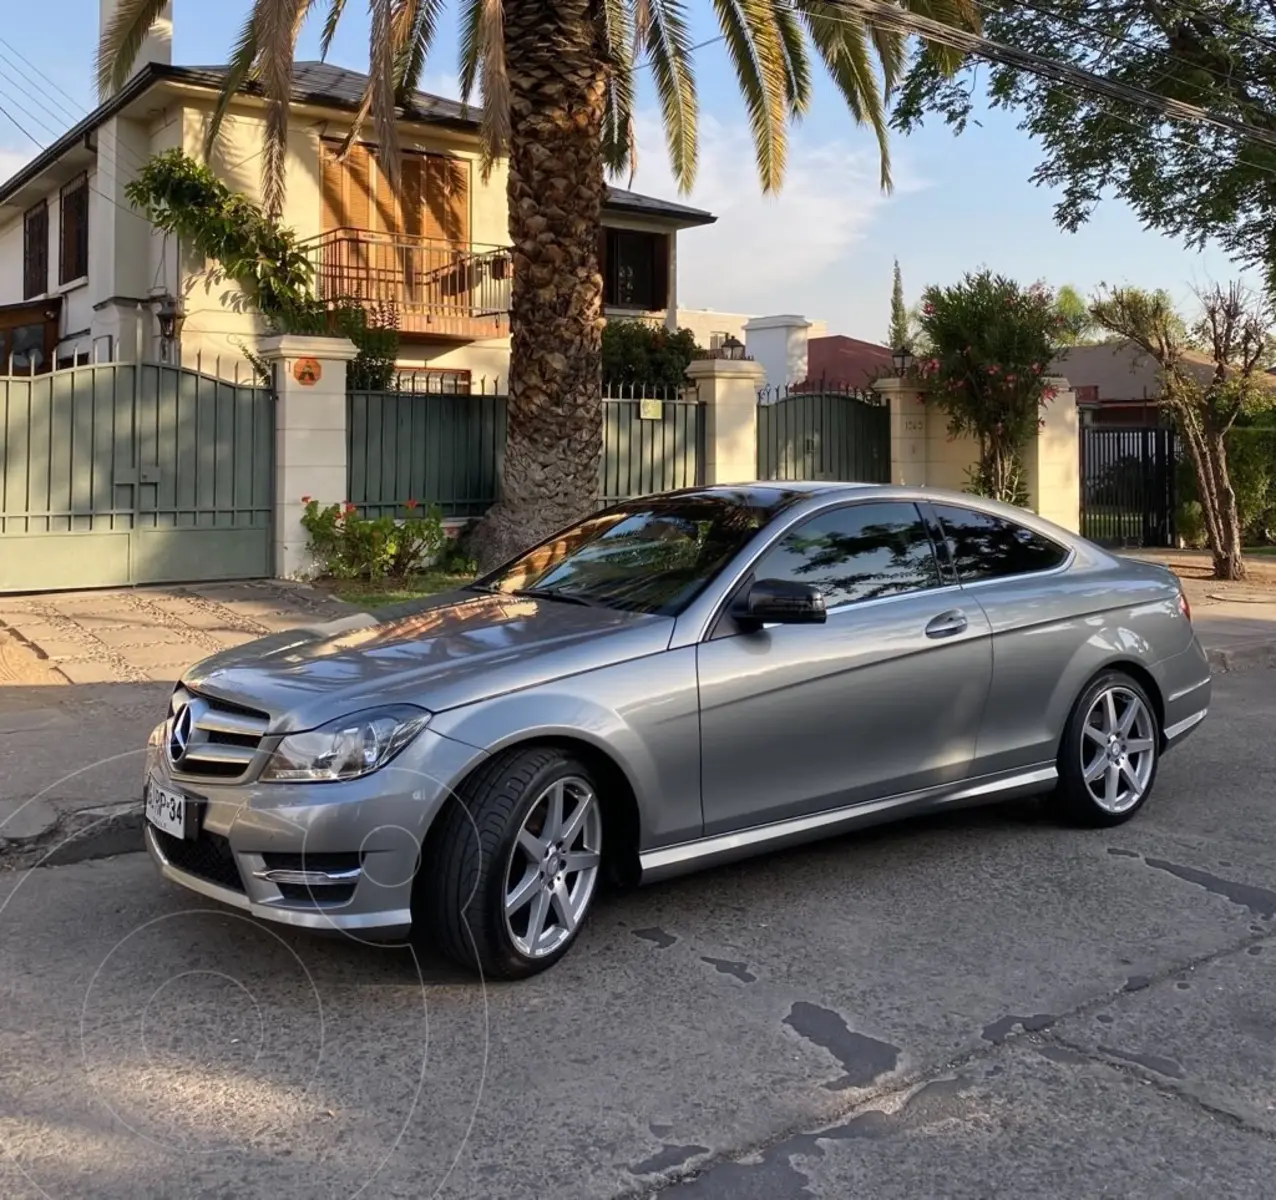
859,552
985,547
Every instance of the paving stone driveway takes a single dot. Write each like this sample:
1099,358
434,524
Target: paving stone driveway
139,635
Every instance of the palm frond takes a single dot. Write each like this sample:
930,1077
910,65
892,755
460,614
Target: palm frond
336,9
960,14
121,40
383,55
841,40
620,151
797,66
243,65
668,46
470,47
757,53
496,85
890,48
416,23
277,23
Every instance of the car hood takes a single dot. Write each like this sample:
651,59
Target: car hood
438,654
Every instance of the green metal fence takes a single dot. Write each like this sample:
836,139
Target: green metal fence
825,434
436,449
448,449
653,441
132,473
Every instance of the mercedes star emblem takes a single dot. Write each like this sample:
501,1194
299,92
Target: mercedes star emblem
180,733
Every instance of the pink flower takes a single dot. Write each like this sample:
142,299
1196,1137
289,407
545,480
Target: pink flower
928,308
411,504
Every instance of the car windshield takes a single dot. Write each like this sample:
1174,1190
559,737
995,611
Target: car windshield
650,556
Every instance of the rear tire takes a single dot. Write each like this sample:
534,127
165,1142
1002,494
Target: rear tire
512,868
1109,753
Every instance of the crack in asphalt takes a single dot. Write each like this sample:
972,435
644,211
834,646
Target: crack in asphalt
775,1154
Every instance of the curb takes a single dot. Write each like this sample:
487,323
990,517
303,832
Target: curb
77,836
1240,658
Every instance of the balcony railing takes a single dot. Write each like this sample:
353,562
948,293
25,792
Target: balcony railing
434,286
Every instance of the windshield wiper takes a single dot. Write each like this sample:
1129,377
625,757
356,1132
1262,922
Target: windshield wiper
556,594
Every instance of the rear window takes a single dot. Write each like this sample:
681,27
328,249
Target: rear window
988,547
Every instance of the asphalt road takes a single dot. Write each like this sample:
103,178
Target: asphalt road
984,1005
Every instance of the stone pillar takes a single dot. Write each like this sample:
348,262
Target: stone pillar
908,430
310,436
729,391
1053,461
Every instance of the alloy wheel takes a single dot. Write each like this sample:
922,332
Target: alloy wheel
1118,749
553,867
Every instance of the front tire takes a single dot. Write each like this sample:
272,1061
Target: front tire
1109,753
512,870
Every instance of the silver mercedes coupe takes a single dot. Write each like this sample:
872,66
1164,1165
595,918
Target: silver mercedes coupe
673,682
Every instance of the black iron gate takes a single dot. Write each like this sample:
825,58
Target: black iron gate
1127,485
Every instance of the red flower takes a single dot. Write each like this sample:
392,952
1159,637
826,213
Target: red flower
348,509
928,308
305,499
411,504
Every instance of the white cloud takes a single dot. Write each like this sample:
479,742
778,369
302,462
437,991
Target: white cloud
12,161
765,253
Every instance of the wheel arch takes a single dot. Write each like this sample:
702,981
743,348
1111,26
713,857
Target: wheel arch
618,798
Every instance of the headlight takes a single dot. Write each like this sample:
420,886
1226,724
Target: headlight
346,748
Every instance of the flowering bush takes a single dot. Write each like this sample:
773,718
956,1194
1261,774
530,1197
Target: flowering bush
349,546
991,343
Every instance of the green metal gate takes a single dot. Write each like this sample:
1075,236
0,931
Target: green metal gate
825,434
132,473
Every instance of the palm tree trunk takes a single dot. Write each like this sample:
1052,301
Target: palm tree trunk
556,189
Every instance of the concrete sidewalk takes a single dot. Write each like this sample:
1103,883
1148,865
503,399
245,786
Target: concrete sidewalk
84,676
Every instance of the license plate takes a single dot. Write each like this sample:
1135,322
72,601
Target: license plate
166,810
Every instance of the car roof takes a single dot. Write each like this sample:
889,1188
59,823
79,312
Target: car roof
778,495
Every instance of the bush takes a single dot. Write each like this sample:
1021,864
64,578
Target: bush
1251,462
636,353
348,546
991,341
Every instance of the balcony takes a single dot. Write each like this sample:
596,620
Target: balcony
445,289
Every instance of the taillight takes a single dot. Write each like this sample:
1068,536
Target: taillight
1184,607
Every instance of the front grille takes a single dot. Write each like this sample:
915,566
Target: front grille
210,738
208,856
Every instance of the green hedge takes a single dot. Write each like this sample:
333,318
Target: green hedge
1251,458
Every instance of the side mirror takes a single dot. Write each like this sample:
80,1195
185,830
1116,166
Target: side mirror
781,602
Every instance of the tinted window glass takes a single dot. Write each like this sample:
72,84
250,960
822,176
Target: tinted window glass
651,556
856,553
985,547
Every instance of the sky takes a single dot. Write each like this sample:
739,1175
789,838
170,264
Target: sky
823,247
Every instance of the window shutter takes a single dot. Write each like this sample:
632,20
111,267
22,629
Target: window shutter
35,251
332,186
411,218
604,237
358,197
447,198
660,271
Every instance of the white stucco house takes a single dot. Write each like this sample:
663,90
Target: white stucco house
81,272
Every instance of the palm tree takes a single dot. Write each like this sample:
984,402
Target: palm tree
557,81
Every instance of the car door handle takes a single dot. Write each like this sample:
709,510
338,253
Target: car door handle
947,624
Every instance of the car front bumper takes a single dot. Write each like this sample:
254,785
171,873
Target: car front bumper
330,857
